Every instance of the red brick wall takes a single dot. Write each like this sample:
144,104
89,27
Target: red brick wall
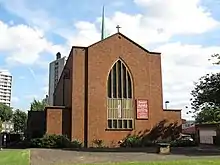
74,92
145,69
54,121
173,115
78,93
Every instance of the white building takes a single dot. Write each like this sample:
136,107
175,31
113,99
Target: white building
7,126
55,70
5,87
187,124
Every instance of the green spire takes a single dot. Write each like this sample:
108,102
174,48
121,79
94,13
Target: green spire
103,24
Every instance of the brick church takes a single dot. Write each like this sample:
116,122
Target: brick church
106,91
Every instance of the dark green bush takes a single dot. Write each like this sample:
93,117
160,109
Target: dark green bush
36,143
182,143
54,141
75,144
132,141
147,143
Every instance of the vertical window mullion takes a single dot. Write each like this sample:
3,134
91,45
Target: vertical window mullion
113,115
110,108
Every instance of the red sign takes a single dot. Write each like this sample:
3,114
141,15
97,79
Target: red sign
142,109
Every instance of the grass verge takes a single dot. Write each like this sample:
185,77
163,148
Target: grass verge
14,157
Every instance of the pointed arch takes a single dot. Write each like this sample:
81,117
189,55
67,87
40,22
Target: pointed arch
120,97
120,82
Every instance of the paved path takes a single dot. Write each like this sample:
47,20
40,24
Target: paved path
55,157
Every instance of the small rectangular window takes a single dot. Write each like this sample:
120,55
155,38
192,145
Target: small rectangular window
119,123
125,125
130,124
109,123
115,124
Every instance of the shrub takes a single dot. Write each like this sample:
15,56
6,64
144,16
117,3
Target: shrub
75,144
147,143
132,141
98,143
54,141
182,143
36,143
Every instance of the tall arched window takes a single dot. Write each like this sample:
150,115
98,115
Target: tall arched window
120,102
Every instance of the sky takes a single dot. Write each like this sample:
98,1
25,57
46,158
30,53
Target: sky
186,32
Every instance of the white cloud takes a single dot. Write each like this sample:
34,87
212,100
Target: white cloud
182,65
86,33
24,44
160,20
178,16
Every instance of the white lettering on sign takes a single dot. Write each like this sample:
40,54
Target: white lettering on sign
142,109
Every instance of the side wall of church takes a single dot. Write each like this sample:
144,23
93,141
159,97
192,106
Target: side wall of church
78,93
60,90
63,89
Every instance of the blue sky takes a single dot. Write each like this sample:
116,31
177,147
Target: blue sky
185,32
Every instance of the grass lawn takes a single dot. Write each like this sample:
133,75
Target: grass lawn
14,157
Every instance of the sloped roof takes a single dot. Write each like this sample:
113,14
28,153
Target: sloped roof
189,130
122,35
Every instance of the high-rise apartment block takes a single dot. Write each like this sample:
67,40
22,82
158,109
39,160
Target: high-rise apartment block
5,87
55,70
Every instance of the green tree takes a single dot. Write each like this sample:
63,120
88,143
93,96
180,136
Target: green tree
215,58
20,120
206,98
208,115
206,92
38,105
0,126
5,112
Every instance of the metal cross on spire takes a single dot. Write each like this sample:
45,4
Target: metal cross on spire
118,27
